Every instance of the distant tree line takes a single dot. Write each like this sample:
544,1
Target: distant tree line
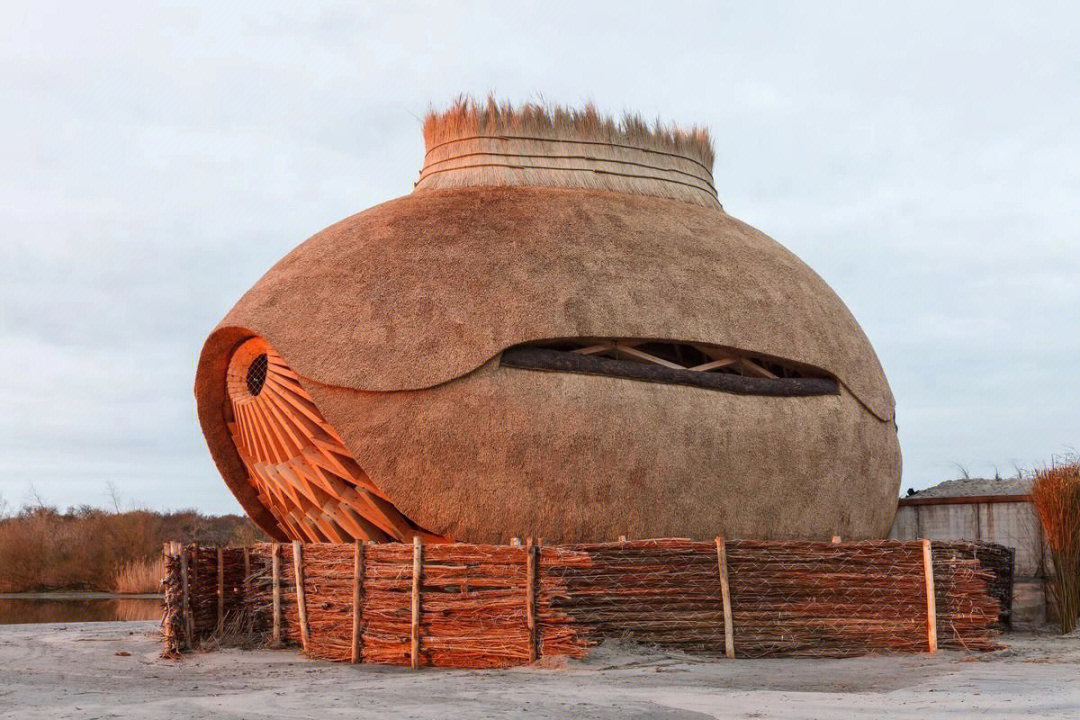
82,548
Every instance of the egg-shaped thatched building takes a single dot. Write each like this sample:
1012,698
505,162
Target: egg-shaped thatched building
559,333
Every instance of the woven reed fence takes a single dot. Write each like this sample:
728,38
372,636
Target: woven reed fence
998,559
479,606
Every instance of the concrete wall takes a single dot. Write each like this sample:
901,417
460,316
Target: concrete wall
1012,524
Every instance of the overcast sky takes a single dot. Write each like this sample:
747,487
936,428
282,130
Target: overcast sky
155,160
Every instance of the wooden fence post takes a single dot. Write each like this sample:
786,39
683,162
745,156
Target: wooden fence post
417,568
301,602
220,588
357,599
185,598
275,569
244,590
530,596
725,593
193,568
931,601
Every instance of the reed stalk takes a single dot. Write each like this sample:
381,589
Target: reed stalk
139,576
1055,494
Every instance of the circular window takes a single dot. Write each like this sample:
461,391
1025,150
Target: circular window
256,374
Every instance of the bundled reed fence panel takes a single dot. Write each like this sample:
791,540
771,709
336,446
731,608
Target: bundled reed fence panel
964,592
386,609
206,591
480,606
474,606
807,599
999,560
663,592
173,631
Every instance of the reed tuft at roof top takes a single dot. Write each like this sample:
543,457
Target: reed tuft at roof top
469,116
491,144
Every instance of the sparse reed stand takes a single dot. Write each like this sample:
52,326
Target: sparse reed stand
481,606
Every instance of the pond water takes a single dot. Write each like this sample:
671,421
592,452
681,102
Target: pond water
77,607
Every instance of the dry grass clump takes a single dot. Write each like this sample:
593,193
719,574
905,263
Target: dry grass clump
1055,494
468,116
141,575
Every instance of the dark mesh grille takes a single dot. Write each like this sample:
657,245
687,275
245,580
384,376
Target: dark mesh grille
256,375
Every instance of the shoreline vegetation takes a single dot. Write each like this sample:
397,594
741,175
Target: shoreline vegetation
141,575
43,549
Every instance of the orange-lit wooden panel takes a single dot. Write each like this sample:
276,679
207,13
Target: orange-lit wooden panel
298,465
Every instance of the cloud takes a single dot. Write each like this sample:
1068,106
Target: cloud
154,161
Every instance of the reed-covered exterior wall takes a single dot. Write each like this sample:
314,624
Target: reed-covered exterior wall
534,225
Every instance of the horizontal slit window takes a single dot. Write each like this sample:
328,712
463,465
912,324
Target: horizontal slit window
691,364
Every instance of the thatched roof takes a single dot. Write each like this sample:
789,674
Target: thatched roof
394,319
428,287
416,294
486,144
504,452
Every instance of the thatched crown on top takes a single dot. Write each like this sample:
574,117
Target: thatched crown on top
489,142
468,116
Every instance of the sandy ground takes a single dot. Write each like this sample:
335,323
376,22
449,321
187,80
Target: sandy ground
82,670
